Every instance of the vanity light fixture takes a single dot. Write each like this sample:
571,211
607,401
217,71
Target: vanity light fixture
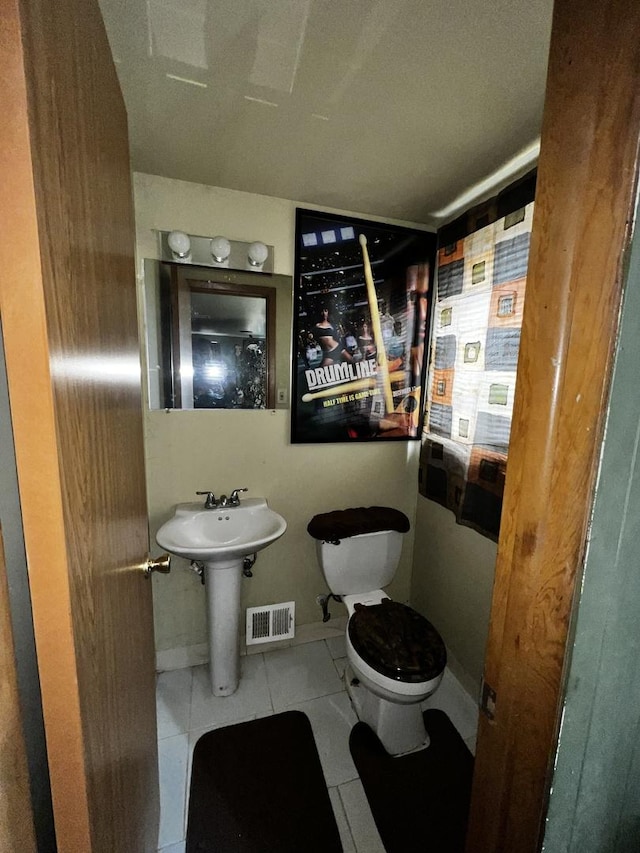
257,254
180,245
220,249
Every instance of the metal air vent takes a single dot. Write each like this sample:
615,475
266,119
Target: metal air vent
270,622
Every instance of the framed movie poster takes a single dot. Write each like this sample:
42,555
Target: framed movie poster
362,300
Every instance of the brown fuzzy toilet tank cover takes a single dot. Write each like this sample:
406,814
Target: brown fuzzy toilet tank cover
342,523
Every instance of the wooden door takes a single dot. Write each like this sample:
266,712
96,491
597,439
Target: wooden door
584,206
68,308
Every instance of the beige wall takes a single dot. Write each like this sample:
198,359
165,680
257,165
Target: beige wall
193,450
446,570
452,582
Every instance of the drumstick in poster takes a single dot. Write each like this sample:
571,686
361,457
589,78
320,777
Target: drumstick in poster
354,385
377,329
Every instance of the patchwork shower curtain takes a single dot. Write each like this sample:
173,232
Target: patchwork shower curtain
480,293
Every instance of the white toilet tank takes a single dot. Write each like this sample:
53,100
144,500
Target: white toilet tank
360,563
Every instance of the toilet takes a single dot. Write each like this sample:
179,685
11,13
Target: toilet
396,658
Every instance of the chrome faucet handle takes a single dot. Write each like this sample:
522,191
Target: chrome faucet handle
234,500
210,502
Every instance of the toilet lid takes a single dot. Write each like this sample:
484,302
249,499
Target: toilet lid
397,642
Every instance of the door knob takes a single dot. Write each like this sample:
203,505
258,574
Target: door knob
159,564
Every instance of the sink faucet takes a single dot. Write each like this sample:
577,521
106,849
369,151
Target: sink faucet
233,499
210,502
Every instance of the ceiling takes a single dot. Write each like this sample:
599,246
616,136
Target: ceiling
391,108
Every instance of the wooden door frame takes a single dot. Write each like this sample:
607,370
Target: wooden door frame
585,198
17,821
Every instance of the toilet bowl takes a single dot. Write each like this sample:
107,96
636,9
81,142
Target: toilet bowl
396,658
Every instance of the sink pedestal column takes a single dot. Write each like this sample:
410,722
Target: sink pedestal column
223,580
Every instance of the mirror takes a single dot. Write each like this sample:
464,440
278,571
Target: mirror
211,337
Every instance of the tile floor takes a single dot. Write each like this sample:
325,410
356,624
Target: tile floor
306,677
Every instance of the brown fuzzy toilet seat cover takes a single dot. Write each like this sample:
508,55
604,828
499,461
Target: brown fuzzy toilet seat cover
342,523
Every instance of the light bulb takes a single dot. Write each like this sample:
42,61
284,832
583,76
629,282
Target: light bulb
179,243
258,254
220,249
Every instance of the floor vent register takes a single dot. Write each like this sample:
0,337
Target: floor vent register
271,622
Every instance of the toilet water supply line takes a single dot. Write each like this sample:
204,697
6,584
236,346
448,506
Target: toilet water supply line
323,601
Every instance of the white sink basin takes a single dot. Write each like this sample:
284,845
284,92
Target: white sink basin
220,534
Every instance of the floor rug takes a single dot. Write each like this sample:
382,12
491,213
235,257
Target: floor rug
258,787
419,801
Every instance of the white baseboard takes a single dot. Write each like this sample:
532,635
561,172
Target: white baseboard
196,655
467,682
182,658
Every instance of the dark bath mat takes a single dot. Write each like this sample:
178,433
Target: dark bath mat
419,801
258,787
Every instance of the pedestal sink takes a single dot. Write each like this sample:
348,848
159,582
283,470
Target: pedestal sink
220,538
